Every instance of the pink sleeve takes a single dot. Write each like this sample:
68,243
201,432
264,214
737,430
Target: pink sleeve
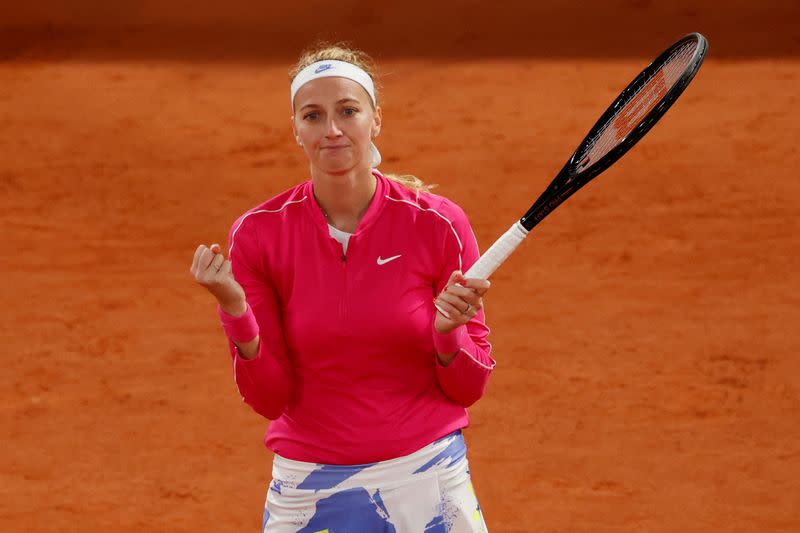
464,380
264,382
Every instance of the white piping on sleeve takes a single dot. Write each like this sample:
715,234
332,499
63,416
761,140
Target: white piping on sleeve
233,235
235,379
233,239
449,222
476,361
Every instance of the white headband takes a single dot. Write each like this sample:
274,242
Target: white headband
328,69
340,69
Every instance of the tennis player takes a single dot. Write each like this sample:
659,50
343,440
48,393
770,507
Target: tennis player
351,326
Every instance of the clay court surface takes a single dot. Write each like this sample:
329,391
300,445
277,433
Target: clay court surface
646,334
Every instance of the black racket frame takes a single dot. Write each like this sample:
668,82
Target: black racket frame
571,178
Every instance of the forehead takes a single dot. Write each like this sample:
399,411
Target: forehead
329,90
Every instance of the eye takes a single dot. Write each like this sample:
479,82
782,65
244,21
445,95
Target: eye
311,115
350,111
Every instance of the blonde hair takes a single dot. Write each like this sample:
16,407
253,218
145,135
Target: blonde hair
324,51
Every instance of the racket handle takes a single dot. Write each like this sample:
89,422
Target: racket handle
498,252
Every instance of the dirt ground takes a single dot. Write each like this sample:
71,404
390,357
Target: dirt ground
648,376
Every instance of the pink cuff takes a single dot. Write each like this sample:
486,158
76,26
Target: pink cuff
447,343
242,328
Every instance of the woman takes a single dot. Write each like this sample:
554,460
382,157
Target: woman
351,326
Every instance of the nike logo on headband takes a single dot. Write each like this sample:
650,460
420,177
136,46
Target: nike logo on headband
323,68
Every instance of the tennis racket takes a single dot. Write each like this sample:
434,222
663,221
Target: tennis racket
625,122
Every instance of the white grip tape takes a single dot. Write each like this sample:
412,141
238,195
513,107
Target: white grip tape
498,252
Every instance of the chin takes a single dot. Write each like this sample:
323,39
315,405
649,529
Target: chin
336,167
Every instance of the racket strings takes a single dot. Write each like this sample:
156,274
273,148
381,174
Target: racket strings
632,111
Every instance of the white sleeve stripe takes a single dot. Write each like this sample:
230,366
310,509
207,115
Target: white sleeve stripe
478,362
235,378
453,229
233,235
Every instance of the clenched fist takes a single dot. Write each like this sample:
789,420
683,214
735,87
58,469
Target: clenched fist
211,270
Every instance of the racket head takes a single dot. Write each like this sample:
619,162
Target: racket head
629,117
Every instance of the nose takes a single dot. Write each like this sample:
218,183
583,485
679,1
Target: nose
333,129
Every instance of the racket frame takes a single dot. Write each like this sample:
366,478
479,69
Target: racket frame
570,179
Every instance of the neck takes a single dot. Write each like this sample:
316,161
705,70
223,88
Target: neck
344,198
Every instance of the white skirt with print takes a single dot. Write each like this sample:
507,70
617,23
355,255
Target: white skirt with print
428,491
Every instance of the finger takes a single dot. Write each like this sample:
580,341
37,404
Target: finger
215,248
454,278
466,306
450,311
216,263
480,286
226,267
196,258
470,296
440,308
461,314
455,301
205,260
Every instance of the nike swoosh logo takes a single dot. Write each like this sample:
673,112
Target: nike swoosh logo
384,261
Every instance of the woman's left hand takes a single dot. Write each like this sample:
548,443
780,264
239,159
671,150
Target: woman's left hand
460,300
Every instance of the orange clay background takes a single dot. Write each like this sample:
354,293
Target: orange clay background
646,333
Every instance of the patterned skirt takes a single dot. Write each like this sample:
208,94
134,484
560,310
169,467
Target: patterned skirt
428,491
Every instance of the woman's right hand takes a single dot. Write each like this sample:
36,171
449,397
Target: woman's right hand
211,270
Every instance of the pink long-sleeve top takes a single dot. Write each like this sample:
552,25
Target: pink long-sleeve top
347,368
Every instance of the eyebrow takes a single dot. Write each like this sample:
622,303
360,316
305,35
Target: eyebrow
342,101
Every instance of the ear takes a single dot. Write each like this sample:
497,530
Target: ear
294,132
377,121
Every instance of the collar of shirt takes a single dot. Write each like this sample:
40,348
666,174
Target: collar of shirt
373,211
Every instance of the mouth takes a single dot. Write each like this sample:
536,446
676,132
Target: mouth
337,147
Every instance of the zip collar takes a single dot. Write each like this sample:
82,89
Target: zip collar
376,205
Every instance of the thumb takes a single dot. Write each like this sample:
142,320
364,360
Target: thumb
456,278
215,248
